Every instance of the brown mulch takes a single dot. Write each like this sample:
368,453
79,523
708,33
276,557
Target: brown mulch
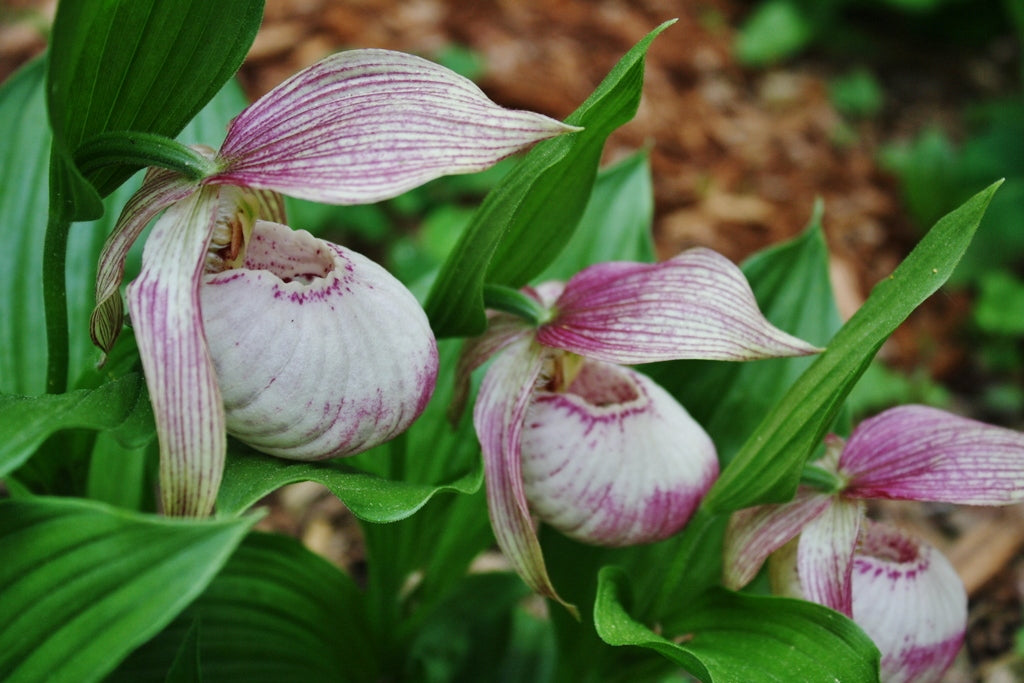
738,158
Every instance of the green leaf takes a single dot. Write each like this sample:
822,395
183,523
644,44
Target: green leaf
792,287
249,476
527,219
140,65
28,421
24,153
767,467
120,475
83,584
187,667
776,29
617,223
1000,306
468,633
737,637
275,612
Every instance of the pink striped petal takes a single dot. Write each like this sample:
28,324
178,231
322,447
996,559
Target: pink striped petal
498,415
922,453
825,555
502,329
755,533
614,460
366,125
910,601
319,351
696,305
164,305
160,189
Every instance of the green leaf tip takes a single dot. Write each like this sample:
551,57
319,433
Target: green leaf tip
768,466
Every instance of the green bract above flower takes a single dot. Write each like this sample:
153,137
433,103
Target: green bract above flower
314,351
594,449
906,453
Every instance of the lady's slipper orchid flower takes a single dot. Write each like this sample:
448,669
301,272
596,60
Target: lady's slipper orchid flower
906,453
300,348
905,595
597,450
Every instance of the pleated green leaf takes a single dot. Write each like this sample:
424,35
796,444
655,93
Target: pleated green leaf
24,153
249,476
275,612
523,223
767,467
617,223
83,584
730,637
28,421
139,65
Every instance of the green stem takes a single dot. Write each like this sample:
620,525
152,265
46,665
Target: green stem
121,148
513,301
55,302
821,478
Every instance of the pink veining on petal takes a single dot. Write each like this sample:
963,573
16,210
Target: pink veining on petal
910,601
164,305
319,351
160,189
498,416
755,533
696,305
825,555
365,125
502,330
614,460
923,453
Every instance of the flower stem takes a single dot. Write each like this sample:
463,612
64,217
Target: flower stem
55,302
121,148
502,298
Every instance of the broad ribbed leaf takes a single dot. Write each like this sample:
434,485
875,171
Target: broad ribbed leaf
735,637
524,222
28,421
616,225
249,476
24,153
140,65
767,468
275,612
83,584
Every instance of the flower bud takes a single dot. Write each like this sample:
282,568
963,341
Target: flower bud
319,352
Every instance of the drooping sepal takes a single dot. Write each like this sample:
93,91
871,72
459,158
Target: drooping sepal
498,416
614,459
160,189
755,533
164,305
365,125
502,330
825,554
319,351
696,305
922,453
